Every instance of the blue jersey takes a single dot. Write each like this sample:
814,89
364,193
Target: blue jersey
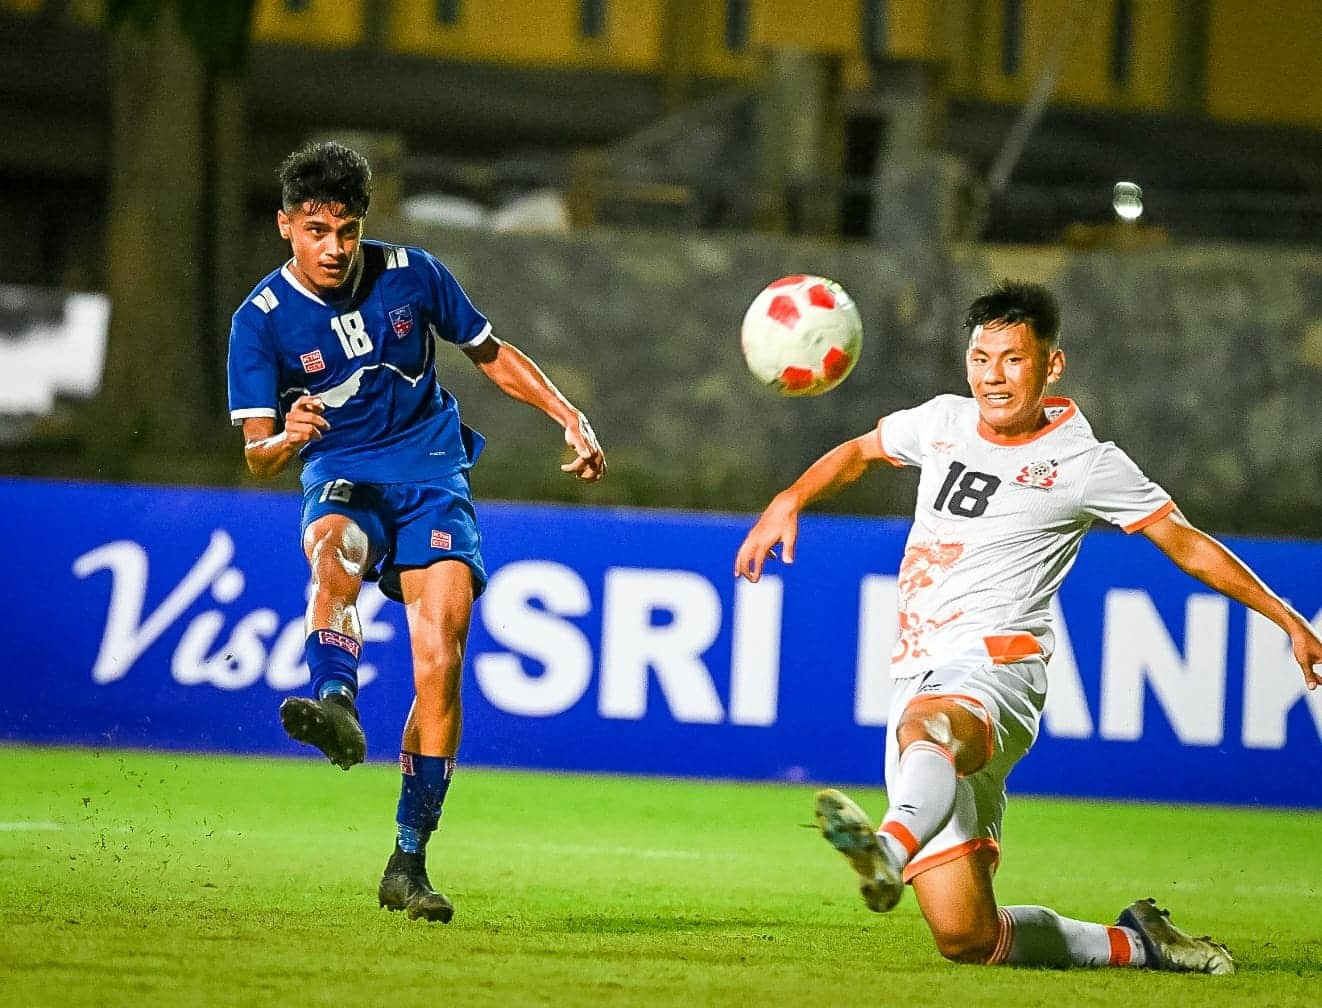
371,359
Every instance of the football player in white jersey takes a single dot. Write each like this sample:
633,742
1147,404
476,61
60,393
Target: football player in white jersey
333,361
1010,481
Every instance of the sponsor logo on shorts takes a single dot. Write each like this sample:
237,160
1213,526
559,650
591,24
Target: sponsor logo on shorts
440,540
342,641
312,361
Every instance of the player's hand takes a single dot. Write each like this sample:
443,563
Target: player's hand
304,421
1308,652
778,525
589,462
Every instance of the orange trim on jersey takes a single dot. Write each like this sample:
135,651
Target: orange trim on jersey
1068,413
1121,951
901,833
952,854
986,719
1151,519
1006,649
881,447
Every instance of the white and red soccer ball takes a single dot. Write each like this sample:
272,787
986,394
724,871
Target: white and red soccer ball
801,336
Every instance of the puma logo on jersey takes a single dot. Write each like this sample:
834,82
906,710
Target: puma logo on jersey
1038,475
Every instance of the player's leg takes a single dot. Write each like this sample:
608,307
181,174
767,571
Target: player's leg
438,601
436,572
339,553
957,901
934,741
959,905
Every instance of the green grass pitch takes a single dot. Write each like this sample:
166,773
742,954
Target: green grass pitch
164,879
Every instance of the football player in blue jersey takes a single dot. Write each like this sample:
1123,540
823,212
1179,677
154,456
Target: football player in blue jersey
332,360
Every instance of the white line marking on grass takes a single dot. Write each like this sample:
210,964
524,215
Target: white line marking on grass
29,827
645,852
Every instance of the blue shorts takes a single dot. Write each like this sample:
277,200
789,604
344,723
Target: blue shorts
408,525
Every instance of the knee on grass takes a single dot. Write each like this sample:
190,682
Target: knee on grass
971,946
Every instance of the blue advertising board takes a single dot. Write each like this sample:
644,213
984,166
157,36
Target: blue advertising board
619,641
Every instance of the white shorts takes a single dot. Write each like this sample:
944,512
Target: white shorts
1010,699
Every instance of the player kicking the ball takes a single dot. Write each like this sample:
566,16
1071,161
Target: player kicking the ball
1010,482
341,341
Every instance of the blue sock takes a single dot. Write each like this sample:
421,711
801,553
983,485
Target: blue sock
425,780
333,661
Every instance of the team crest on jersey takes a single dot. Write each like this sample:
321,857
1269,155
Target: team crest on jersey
312,362
401,320
1038,475
943,447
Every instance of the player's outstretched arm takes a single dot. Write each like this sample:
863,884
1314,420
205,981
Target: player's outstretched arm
1198,554
266,452
779,523
519,377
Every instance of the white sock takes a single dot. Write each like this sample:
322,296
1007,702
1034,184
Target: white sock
921,799
1036,936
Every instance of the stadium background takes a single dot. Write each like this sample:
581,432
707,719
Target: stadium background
612,182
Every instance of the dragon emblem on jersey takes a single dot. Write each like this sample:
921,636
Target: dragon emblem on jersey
401,320
921,561
1039,475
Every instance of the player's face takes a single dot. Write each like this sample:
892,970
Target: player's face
324,241
1009,370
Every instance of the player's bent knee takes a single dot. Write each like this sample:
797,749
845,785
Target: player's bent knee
337,547
973,947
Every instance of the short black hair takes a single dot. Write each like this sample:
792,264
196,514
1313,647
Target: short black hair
1014,301
326,173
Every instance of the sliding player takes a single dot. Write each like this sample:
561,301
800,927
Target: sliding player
1010,482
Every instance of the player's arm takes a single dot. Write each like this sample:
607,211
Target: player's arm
267,452
779,523
1198,554
518,376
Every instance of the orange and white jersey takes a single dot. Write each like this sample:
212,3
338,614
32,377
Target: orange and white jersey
997,527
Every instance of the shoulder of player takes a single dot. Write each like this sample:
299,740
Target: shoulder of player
270,292
382,256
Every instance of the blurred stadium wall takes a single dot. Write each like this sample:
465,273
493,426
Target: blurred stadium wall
665,140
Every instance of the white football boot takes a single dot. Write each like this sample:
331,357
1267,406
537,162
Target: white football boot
847,828
1169,948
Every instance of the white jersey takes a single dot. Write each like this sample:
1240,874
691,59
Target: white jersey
997,527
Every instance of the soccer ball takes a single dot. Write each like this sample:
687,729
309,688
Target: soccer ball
801,336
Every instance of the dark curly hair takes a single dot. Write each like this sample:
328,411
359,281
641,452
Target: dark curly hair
1015,301
326,173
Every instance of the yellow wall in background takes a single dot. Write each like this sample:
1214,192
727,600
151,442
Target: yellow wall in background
1084,77
332,23
23,6
1265,61
538,33
913,29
